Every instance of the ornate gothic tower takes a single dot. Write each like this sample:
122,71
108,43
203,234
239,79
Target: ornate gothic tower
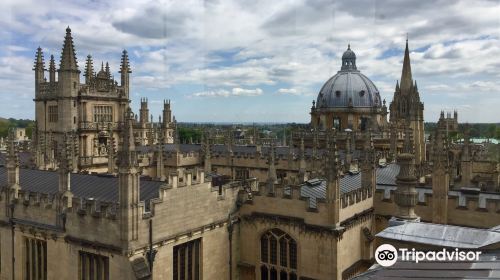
69,84
406,107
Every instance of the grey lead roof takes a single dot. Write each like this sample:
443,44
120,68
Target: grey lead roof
348,87
487,267
83,186
105,188
441,235
315,189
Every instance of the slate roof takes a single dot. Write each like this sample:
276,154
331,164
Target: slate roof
24,158
487,267
98,187
442,235
315,189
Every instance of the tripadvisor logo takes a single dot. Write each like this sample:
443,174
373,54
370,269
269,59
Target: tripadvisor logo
387,255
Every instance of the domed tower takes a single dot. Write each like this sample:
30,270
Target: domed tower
348,100
406,109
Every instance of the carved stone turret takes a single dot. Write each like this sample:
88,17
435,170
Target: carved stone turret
125,73
65,167
332,173
440,179
302,161
368,163
128,176
272,178
406,181
12,168
207,153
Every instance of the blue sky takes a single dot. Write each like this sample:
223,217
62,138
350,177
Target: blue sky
261,61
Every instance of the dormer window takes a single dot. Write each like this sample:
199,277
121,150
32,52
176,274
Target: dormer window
362,93
337,93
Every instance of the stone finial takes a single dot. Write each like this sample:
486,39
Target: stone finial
39,64
108,71
68,56
207,152
89,70
124,64
52,70
272,178
12,167
65,166
127,155
406,181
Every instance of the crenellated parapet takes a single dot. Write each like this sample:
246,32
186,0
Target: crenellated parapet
355,196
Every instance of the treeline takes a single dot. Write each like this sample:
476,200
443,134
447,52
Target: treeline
476,130
6,124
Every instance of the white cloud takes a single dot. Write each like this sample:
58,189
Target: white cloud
294,46
226,93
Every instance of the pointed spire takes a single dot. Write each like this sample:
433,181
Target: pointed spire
127,154
272,178
108,72
397,86
125,65
39,62
68,56
406,78
89,70
52,70
416,87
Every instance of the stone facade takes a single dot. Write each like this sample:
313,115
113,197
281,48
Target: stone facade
91,112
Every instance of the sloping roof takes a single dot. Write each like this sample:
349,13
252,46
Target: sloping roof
24,158
315,189
441,235
487,267
103,188
387,175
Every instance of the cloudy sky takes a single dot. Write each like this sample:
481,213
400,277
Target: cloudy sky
261,61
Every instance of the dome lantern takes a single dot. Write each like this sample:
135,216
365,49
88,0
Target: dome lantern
348,60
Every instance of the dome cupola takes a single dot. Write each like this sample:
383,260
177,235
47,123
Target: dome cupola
348,60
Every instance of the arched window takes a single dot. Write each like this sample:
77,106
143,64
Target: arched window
278,256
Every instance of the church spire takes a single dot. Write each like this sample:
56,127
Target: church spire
406,78
68,56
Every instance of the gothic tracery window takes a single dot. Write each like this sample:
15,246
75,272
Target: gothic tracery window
278,255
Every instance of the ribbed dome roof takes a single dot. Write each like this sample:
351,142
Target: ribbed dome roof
348,87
